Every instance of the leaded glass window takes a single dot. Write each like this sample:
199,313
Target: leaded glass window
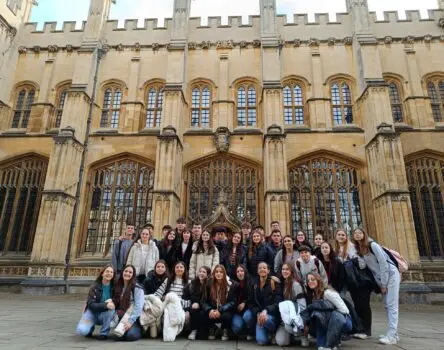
435,89
395,102
154,106
21,186
324,196
246,106
293,104
112,100
200,106
341,100
237,181
22,111
119,190
60,106
425,176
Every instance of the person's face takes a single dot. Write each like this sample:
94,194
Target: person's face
305,256
262,270
108,274
186,235
145,235
165,232
129,231
205,236
358,235
218,274
221,236
202,274
286,272
246,232
300,237
237,238
311,281
341,237
288,243
240,273
275,226
171,236
325,249
197,231
128,273
179,270
276,238
257,238
160,269
181,227
318,240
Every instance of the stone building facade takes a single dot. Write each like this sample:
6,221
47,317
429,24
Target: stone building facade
316,125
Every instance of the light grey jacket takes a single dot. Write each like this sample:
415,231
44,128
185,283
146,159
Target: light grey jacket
135,257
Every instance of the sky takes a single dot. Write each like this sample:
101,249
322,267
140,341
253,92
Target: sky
68,10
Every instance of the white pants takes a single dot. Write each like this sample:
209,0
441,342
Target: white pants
391,302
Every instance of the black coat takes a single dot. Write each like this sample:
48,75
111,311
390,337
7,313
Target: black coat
193,293
229,305
170,256
152,283
225,259
185,257
267,298
94,300
261,253
335,272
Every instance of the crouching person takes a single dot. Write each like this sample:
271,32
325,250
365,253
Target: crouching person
262,316
326,316
243,283
100,306
219,305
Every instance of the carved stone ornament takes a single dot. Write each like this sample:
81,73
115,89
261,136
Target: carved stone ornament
192,46
388,40
69,48
137,47
243,44
36,49
22,49
313,42
205,44
441,22
119,47
224,44
155,46
222,139
348,41
331,41
256,43
428,38
409,40
296,43
53,48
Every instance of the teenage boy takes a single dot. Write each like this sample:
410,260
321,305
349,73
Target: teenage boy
180,227
308,263
275,241
122,246
246,231
196,231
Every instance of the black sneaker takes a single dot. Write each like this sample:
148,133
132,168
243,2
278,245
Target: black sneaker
102,337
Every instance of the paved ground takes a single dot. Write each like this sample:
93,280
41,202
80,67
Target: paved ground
49,322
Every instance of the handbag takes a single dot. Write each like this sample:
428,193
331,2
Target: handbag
359,278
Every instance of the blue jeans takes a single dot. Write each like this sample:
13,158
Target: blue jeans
90,319
262,332
321,334
237,324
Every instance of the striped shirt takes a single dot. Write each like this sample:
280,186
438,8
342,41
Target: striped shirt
176,287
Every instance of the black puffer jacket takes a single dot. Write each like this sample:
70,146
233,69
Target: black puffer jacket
335,272
262,252
170,256
94,300
230,303
193,293
267,298
152,282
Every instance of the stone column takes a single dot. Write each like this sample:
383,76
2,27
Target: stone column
47,265
133,118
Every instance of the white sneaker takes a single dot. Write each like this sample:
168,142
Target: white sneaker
212,335
192,335
224,335
304,342
360,336
388,340
250,338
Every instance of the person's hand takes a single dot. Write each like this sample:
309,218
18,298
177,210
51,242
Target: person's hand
262,318
241,307
211,314
110,306
216,314
195,306
305,330
126,326
383,291
120,238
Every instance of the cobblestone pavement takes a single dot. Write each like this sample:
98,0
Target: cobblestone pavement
48,323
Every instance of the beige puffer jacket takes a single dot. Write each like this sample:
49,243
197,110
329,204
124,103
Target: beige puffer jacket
202,259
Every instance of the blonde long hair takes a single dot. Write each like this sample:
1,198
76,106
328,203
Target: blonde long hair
347,243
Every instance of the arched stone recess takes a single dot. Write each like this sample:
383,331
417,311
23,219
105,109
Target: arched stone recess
117,189
22,180
325,193
223,178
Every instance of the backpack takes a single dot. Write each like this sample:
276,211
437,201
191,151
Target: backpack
397,259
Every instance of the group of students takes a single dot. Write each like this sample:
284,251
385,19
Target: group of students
251,284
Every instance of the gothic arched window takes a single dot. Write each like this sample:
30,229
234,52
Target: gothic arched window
118,190
435,89
246,105
21,186
22,110
341,101
228,177
61,99
395,101
294,107
425,176
112,99
154,106
324,196
200,106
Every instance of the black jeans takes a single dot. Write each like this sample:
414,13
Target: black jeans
196,316
206,323
361,300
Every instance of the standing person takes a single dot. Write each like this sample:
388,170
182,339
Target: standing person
122,246
258,251
233,255
333,267
185,248
243,285
265,236
318,239
220,238
275,242
346,251
288,254
197,230
181,226
246,231
302,240
219,305
143,255
155,277
292,290
308,263
168,249
130,298
264,296
204,254
196,293
165,230
387,276
100,305
274,225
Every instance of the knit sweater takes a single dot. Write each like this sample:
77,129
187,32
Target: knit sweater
176,287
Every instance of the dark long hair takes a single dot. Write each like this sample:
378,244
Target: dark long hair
196,284
284,250
288,282
172,276
123,295
331,256
200,245
165,240
100,278
166,274
223,286
305,242
364,248
318,292
229,247
252,245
